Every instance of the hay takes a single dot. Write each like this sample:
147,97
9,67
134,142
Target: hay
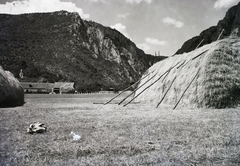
217,85
11,92
222,81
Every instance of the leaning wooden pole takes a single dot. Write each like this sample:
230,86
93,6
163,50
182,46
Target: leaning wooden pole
195,57
199,55
118,95
128,88
186,89
136,89
165,77
181,64
166,92
199,44
151,84
220,34
145,88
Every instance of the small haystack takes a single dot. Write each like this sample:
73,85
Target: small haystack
206,77
11,92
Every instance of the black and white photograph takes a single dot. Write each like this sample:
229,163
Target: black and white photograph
119,82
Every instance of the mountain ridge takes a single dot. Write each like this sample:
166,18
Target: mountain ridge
60,46
223,29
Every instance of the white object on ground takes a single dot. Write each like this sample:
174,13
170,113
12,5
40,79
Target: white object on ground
75,136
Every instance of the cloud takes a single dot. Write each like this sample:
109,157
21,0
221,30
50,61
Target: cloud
144,46
121,28
148,42
219,4
138,1
33,6
93,0
168,20
124,16
103,1
153,41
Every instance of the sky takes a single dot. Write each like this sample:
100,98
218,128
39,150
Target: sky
157,26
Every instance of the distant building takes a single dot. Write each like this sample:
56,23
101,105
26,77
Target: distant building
57,87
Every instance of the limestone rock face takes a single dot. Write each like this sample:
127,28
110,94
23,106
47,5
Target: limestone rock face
60,46
229,23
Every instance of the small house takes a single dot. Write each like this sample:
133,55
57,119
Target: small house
32,87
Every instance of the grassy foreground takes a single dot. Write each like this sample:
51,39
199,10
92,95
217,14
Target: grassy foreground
116,135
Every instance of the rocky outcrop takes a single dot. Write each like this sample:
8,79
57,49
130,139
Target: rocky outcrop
229,23
60,46
11,92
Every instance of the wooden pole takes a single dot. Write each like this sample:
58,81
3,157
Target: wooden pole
199,55
136,89
166,92
186,88
195,57
170,84
181,64
151,84
199,44
177,68
220,34
165,76
118,95
128,88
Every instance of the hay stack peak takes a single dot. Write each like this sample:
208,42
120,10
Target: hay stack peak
206,77
11,92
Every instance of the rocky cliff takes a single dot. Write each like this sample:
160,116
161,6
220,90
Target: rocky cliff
227,25
60,46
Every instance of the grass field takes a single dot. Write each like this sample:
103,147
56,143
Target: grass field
114,135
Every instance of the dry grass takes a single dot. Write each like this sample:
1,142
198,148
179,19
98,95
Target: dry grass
223,77
217,85
11,92
116,135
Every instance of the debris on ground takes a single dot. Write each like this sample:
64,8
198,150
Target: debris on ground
75,136
36,127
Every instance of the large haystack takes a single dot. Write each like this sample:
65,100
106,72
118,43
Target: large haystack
206,77
11,92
